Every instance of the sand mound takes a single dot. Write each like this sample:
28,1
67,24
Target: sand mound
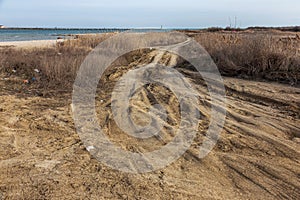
257,156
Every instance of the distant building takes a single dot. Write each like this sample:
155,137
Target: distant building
1,26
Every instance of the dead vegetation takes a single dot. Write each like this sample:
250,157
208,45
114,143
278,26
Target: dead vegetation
57,66
267,56
254,56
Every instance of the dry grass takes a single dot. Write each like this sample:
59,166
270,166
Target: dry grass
58,66
245,55
262,56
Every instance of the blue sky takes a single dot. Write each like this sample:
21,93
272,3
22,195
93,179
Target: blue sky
148,13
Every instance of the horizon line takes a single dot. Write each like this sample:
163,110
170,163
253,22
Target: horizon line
133,28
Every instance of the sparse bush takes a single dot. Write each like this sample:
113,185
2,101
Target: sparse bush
214,29
58,66
244,55
253,56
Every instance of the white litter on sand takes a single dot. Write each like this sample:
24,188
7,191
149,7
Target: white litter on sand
90,148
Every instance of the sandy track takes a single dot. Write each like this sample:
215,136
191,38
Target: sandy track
30,44
257,156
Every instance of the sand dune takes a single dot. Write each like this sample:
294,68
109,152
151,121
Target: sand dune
30,44
257,156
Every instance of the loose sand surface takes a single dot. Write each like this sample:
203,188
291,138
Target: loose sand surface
30,44
257,156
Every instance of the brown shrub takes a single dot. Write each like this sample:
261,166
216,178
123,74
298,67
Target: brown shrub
58,66
254,55
246,55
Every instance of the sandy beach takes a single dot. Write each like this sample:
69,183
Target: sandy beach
30,44
42,155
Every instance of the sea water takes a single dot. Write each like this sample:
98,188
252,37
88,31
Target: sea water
7,35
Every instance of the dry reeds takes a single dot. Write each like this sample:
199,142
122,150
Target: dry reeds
245,55
58,66
254,55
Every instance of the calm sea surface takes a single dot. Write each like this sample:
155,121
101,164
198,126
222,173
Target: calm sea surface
7,35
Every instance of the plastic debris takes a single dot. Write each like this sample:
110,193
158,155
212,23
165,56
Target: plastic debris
26,81
89,148
14,71
33,79
37,71
72,107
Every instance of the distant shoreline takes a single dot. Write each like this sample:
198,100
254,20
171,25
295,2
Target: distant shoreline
71,29
282,28
28,34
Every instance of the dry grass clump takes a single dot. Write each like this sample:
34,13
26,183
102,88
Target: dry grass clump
85,41
265,56
245,55
57,66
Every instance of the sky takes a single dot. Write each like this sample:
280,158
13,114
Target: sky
148,13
